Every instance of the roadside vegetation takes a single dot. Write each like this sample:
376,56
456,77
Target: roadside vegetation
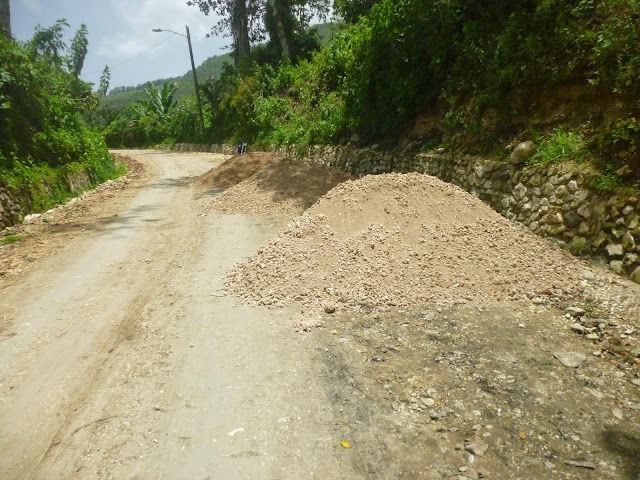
44,139
10,239
489,73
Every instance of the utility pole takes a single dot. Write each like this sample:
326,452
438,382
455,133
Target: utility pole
193,69
195,80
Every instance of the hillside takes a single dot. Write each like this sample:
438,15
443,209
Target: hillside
210,68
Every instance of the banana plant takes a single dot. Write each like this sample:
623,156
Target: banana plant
160,101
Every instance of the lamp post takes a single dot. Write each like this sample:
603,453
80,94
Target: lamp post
193,69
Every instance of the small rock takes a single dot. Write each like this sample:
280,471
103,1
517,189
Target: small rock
32,217
617,266
523,152
592,336
570,359
429,402
615,250
329,309
581,464
576,327
476,448
636,381
576,311
628,242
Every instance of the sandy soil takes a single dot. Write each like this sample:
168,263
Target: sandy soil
473,350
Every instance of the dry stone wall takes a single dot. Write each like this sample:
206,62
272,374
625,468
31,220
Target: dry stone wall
552,201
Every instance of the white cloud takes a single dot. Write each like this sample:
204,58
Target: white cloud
133,22
122,46
34,6
171,14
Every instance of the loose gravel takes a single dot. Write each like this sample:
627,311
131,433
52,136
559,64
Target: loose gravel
403,239
285,187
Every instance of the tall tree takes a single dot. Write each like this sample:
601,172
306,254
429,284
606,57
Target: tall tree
240,30
79,49
352,10
5,18
250,21
278,11
236,17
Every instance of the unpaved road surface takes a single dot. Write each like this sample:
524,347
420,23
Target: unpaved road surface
123,355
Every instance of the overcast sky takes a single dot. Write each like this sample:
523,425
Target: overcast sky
120,35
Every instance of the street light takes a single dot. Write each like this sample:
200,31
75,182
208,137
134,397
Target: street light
193,69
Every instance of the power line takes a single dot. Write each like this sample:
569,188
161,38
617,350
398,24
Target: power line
111,67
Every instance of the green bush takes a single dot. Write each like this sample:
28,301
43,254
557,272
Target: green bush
43,138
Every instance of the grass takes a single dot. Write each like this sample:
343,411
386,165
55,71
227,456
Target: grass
560,146
9,239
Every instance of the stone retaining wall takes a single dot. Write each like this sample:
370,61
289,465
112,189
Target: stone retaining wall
13,208
552,201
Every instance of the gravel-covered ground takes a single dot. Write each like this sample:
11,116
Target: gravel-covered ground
442,341
399,240
480,349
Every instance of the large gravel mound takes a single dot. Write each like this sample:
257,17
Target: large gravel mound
398,240
286,187
236,169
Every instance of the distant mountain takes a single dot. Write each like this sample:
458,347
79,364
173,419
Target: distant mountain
211,68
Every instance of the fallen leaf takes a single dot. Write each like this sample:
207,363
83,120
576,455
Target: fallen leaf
523,436
345,444
420,324
333,332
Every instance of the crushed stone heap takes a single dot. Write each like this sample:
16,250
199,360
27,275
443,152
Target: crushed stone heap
235,170
285,187
403,239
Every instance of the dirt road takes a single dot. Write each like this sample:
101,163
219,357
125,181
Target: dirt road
123,356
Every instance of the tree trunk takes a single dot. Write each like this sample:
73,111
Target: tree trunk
5,18
282,36
240,25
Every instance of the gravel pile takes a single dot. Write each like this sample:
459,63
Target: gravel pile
399,240
285,187
236,169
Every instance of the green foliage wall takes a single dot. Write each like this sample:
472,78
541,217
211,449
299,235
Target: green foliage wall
42,135
154,120
481,65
